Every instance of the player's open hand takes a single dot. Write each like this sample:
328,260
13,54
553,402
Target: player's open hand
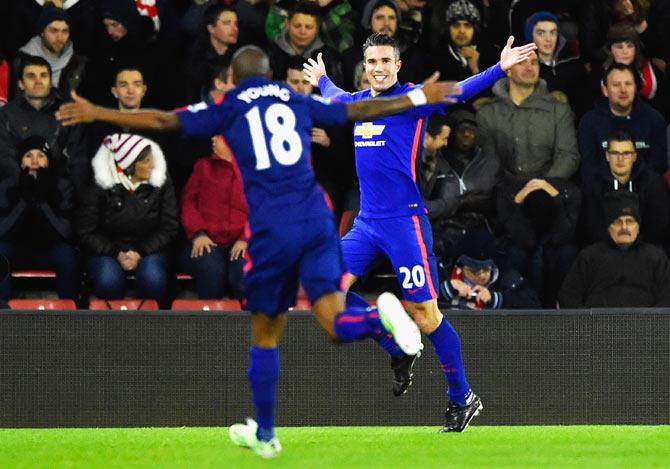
440,91
314,69
78,111
511,56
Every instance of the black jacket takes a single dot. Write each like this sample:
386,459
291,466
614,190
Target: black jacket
19,120
654,203
112,219
605,276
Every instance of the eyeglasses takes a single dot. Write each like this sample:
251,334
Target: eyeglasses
621,154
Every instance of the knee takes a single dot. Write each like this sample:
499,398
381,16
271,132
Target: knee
152,271
426,316
108,278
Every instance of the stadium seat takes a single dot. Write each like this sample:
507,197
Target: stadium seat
33,274
206,305
184,276
302,304
130,304
40,304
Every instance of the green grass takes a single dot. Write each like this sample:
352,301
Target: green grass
343,447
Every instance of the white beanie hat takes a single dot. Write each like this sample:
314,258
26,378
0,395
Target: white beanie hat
125,148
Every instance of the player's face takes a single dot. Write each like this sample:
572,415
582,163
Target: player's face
225,30
129,89
545,37
384,20
526,73
35,82
623,52
381,67
620,89
302,30
55,36
34,160
624,230
295,79
461,33
114,29
621,156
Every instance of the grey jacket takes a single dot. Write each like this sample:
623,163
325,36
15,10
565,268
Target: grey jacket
534,139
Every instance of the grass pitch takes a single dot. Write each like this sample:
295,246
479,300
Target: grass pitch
342,447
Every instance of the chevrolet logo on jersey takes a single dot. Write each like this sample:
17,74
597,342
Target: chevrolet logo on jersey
368,130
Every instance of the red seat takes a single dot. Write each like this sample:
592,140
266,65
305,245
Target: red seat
33,274
206,305
302,304
130,304
184,276
39,304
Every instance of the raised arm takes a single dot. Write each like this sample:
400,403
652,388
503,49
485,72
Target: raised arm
432,92
315,72
81,110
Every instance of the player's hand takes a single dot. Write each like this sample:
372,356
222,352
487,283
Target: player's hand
483,294
320,137
440,91
462,289
511,56
238,250
78,111
201,244
314,69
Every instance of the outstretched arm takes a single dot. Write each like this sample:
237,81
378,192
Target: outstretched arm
81,110
509,57
315,72
432,92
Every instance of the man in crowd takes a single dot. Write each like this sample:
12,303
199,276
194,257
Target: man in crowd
622,270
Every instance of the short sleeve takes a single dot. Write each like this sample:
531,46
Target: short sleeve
203,120
326,113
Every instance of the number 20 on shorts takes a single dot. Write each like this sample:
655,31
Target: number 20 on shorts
413,278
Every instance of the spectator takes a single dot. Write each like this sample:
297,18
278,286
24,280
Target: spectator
383,16
35,218
467,52
337,22
332,152
301,38
538,220
218,40
623,171
622,111
214,215
476,282
621,271
129,219
361,81
559,67
458,181
54,45
531,133
623,46
32,114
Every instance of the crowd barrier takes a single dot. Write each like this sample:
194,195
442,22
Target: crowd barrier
173,368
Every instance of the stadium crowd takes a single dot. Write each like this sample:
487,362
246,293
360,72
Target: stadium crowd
551,190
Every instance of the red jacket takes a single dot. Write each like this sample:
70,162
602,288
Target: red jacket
213,201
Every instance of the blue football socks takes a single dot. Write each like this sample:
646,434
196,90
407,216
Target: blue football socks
383,338
263,375
448,349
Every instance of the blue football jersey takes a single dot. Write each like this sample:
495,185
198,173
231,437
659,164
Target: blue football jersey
268,129
388,149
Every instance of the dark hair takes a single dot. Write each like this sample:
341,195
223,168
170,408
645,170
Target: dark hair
383,3
617,66
304,8
127,68
620,136
29,60
295,62
130,170
217,68
380,39
212,13
435,124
